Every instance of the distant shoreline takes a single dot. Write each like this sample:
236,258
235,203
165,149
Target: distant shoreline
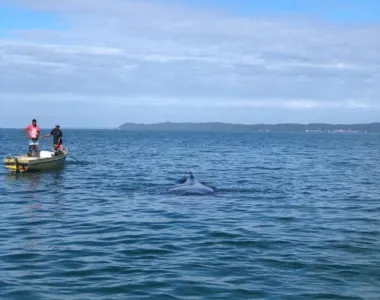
234,127
231,127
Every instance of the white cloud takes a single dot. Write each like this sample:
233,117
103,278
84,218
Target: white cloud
154,54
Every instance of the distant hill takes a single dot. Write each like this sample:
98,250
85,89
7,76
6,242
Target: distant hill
227,127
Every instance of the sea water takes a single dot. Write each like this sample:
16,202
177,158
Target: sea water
295,216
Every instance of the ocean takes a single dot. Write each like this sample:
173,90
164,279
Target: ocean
294,216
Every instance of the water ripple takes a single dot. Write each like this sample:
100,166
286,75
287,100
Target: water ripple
295,216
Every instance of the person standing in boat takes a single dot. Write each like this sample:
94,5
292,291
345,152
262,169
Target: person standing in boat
57,138
32,132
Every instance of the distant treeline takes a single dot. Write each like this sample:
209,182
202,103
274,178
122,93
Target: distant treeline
226,127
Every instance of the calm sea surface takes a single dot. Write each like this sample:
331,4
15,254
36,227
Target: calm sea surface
295,216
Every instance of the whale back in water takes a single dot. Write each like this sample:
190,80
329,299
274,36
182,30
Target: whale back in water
192,186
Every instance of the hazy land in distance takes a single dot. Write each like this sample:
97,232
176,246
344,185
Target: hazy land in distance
229,127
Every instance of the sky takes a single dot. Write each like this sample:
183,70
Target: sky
101,63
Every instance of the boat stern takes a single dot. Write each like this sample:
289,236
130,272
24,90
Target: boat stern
13,164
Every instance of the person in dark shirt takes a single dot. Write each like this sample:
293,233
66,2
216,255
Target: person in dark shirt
57,138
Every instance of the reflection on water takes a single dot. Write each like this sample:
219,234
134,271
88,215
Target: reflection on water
33,176
27,184
34,183
33,203
21,177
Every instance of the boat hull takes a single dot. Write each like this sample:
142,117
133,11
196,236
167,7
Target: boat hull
23,163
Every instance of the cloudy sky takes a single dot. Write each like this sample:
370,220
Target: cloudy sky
100,63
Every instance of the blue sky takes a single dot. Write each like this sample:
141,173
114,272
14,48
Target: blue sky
347,11
16,17
242,61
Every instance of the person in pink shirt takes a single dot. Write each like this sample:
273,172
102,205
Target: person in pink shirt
32,132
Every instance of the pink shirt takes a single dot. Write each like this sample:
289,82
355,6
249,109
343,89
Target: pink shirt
33,131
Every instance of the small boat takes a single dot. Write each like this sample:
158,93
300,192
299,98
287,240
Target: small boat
47,161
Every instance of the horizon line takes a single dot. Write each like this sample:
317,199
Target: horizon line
262,123
196,123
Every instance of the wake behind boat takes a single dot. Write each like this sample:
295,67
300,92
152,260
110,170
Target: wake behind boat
47,161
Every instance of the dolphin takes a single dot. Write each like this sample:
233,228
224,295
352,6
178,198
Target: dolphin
191,186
